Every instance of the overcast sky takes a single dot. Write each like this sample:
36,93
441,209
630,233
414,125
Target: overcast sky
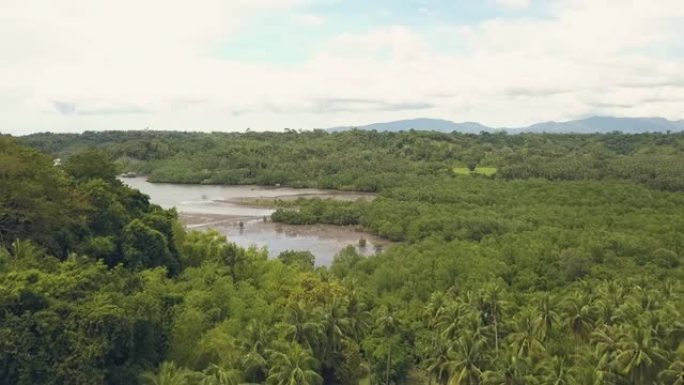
226,65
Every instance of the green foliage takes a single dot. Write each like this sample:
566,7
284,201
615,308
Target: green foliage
91,164
373,161
76,322
295,365
37,201
565,267
145,247
301,259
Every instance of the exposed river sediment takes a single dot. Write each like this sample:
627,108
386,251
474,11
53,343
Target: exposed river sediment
227,209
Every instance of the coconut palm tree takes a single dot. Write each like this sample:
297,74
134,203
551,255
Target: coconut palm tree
580,318
359,317
557,372
216,375
526,340
548,317
336,329
438,362
388,324
640,355
294,366
254,344
611,296
672,320
336,326
436,357
513,370
449,319
646,299
302,325
587,372
494,306
674,374
435,307
605,350
22,249
218,347
466,358
169,374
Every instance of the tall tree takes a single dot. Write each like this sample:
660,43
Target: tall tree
640,356
169,374
293,366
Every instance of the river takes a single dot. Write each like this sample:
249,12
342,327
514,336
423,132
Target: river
223,208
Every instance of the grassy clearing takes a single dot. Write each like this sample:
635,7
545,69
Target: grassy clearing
487,171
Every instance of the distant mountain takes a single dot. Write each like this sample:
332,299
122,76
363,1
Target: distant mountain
423,124
596,124
605,124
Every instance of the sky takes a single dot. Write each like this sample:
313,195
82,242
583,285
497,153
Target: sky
230,65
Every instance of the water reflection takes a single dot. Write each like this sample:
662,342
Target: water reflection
223,208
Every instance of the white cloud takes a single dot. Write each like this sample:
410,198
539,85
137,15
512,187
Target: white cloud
516,4
309,19
82,64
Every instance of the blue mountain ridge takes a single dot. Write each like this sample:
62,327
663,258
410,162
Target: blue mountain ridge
595,124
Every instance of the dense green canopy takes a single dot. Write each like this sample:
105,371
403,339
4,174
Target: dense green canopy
564,267
371,161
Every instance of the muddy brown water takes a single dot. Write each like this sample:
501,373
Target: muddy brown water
222,208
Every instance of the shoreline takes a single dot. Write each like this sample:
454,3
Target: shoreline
325,191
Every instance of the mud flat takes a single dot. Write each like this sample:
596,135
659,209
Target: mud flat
239,212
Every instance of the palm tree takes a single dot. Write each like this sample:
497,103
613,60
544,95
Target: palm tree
558,373
605,349
23,249
657,323
580,318
548,317
587,372
611,297
526,341
466,358
254,344
215,375
674,374
169,374
435,362
218,347
358,315
438,362
449,319
435,307
640,355
295,366
493,308
388,324
302,325
606,312
646,299
335,326
513,371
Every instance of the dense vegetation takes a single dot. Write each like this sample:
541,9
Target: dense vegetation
371,161
565,267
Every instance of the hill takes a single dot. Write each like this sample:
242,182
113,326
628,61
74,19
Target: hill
595,124
422,124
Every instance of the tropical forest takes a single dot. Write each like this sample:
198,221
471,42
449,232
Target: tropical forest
502,259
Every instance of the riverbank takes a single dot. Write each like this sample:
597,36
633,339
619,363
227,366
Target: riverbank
242,213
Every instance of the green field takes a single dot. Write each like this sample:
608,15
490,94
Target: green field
487,171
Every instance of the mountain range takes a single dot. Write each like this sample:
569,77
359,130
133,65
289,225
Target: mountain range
595,124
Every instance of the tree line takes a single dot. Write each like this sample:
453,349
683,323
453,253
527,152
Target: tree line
371,161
